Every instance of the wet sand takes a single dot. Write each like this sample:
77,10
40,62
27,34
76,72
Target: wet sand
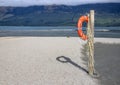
107,58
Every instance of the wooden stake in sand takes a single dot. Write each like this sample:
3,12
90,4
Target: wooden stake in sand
90,42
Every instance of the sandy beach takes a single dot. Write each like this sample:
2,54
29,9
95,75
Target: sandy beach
57,61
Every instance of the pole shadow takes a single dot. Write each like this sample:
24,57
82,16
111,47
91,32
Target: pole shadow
64,59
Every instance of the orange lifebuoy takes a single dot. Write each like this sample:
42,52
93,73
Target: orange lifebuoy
79,25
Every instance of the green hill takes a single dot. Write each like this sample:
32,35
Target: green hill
107,14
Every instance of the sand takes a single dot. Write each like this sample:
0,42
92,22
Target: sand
107,58
45,61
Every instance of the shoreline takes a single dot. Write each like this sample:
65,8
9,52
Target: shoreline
57,32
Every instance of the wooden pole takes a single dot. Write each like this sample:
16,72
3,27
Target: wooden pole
90,42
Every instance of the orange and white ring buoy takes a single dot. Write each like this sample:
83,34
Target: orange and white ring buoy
79,25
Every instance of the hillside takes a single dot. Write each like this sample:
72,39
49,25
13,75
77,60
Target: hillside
107,14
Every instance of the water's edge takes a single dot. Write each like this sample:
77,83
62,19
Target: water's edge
5,31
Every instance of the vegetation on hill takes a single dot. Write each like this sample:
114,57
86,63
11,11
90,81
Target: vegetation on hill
107,14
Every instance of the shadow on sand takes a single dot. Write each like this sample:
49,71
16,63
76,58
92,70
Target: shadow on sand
64,59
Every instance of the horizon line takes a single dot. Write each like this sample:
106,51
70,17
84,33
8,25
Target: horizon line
63,4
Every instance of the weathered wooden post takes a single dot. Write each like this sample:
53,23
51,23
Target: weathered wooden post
90,42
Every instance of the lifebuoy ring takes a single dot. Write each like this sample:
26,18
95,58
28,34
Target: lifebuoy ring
79,25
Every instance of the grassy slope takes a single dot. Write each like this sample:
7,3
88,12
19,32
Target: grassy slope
60,15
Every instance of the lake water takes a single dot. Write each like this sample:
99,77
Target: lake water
58,31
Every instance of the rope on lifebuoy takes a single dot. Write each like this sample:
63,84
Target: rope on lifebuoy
79,26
